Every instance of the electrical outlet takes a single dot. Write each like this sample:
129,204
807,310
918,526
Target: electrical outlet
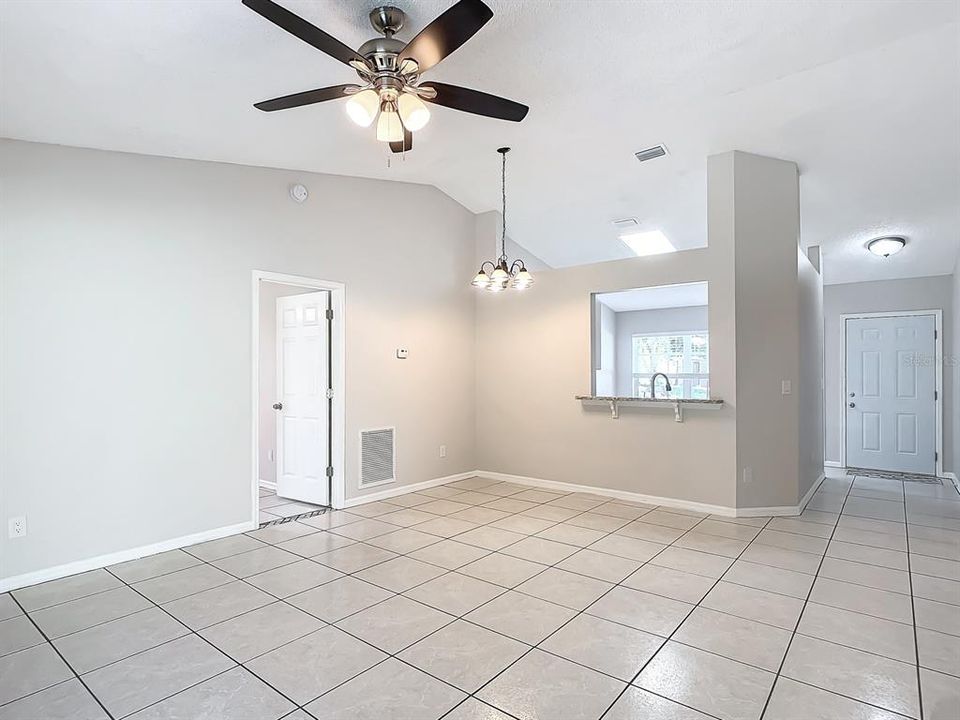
17,527
443,451
747,475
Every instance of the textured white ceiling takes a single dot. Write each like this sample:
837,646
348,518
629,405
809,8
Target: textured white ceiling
656,298
863,95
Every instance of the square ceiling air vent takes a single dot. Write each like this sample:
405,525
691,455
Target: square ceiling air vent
651,153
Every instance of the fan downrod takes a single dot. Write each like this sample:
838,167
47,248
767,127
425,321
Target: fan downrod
387,19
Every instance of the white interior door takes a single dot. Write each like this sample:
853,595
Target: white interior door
303,408
890,403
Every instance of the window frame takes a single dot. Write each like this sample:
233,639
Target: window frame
636,376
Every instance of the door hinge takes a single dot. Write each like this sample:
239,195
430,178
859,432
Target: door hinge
935,395
329,471
935,334
329,393
329,314
936,456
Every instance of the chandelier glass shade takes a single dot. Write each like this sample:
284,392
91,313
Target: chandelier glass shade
499,274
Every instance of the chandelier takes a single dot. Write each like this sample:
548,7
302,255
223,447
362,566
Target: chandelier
503,275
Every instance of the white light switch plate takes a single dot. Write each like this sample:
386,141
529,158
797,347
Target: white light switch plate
786,387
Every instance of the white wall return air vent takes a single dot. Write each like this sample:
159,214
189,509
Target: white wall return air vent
377,457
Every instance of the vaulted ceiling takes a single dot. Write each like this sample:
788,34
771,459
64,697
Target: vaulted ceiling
863,95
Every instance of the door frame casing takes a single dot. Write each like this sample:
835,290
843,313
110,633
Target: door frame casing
337,292
938,374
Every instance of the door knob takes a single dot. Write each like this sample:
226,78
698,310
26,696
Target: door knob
851,405
278,406
853,394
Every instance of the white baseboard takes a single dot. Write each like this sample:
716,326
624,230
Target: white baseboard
608,492
724,510
79,566
101,561
784,510
404,489
952,477
267,484
810,493
833,463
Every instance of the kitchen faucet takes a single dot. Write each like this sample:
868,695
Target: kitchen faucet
653,384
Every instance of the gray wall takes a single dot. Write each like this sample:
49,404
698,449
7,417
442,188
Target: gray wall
534,355
929,293
629,323
605,351
951,367
126,337
763,196
809,388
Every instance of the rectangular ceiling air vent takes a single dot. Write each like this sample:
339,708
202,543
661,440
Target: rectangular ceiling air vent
651,153
377,457
625,224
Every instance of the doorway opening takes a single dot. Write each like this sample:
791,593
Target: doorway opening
298,396
892,415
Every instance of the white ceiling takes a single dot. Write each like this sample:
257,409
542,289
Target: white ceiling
864,95
656,298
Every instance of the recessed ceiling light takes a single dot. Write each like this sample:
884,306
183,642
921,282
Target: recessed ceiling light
652,242
886,246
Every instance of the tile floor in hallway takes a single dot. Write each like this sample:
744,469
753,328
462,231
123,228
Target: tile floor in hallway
273,507
482,600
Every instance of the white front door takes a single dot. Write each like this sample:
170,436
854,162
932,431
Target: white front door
303,408
890,402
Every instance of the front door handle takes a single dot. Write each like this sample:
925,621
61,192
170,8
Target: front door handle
278,406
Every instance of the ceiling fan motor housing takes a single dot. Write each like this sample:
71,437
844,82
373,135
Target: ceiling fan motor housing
382,52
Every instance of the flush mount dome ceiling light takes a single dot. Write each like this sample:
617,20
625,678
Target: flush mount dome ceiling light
390,71
886,246
503,275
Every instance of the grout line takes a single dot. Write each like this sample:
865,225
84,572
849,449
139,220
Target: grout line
647,509
191,631
913,613
803,609
445,571
62,658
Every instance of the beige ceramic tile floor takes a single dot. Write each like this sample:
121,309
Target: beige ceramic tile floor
484,601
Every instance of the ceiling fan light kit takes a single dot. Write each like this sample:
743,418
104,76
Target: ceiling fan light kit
503,274
390,70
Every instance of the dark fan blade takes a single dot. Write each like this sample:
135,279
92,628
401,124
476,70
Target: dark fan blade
296,25
445,34
406,145
476,102
308,97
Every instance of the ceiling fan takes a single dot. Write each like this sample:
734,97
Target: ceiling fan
390,70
